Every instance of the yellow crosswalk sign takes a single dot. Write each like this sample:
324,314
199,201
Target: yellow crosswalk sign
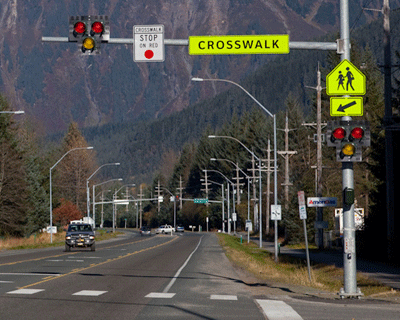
345,79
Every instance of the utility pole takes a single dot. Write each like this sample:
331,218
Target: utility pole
158,196
287,155
206,184
238,183
140,206
255,199
180,189
320,215
269,170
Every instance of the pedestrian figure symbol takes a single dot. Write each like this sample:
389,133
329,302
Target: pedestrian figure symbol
350,79
345,79
341,80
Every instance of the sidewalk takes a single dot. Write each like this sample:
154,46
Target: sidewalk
385,274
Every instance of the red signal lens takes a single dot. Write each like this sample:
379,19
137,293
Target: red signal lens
339,133
79,27
357,133
97,27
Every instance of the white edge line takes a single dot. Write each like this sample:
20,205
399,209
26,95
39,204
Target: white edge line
180,269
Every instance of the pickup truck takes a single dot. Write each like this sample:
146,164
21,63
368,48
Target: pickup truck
80,235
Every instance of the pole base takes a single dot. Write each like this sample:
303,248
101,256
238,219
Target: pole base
356,295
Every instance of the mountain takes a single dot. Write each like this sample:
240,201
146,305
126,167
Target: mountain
55,84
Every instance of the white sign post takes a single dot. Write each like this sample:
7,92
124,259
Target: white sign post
303,216
149,43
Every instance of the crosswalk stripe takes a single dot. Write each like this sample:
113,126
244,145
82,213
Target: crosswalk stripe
25,291
92,293
278,310
223,297
164,295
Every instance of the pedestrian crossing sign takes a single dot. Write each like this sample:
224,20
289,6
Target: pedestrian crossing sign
345,79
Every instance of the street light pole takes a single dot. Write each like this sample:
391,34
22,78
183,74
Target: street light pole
233,195
259,172
114,204
94,201
275,152
248,191
51,191
87,185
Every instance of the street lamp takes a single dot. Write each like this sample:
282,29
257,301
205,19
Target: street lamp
233,195
13,112
87,185
114,204
222,202
259,172
94,202
51,205
248,191
275,151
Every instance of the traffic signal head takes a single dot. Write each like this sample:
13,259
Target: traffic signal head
89,32
348,137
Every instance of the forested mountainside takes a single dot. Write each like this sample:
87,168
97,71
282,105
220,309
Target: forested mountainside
55,84
146,147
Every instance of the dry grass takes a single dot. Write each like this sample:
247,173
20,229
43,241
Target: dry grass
290,270
42,240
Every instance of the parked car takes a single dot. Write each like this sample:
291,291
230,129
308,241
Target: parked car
145,231
180,228
166,228
80,235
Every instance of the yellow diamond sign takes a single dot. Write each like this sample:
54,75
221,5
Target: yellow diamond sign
345,79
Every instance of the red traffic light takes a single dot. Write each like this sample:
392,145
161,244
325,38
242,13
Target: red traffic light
80,27
339,133
97,27
357,133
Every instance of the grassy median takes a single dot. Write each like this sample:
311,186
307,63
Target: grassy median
294,271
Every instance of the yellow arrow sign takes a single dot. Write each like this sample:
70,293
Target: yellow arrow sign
248,44
345,79
346,106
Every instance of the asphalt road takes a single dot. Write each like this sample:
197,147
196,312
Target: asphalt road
185,276
160,277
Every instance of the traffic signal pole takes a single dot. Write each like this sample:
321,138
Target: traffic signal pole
349,289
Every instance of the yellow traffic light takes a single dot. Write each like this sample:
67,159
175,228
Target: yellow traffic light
88,44
348,149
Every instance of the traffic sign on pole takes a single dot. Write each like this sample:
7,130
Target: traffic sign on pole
345,79
345,106
149,43
236,44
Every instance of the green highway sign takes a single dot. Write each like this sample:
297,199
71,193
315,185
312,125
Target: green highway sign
201,200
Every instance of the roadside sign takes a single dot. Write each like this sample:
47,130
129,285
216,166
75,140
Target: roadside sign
321,202
345,79
237,44
149,43
276,212
249,226
302,205
234,216
200,200
346,106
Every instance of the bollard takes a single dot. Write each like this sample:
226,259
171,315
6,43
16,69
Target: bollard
241,239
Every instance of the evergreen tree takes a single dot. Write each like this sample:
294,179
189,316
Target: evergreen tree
13,185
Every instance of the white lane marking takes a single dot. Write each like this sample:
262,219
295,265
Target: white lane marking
74,257
30,274
181,268
65,260
6,281
92,293
25,291
278,310
223,297
160,295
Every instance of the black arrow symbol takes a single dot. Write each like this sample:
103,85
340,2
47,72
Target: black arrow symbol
342,108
